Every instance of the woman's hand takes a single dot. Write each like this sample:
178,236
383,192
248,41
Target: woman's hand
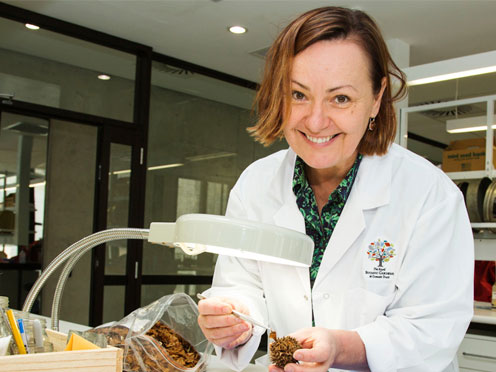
319,350
219,325
324,348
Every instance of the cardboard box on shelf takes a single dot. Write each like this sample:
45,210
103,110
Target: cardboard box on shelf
466,155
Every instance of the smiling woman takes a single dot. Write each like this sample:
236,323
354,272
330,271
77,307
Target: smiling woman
363,303
332,101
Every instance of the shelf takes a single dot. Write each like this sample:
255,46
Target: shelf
486,316
484,225
469,175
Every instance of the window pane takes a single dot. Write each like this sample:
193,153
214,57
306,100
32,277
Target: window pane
150,293
118,206
23,156
197,147
113,302
54,70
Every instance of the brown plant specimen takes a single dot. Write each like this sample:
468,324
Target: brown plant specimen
282,349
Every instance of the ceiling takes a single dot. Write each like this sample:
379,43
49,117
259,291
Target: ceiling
196,30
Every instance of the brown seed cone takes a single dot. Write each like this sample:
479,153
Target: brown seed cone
282,349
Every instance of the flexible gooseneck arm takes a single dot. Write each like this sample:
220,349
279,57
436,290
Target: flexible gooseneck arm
74,252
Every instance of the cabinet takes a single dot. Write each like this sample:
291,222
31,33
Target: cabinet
477,353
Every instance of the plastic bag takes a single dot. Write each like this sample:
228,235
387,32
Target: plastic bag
163,336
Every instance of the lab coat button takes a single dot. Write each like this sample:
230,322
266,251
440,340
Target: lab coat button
326,296
305,297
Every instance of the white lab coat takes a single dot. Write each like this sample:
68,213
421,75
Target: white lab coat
413,312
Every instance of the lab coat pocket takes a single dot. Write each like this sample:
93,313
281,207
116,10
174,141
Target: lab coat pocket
363,306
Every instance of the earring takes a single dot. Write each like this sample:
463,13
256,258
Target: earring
371,123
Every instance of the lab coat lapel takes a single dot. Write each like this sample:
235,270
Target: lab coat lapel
370,190
288,215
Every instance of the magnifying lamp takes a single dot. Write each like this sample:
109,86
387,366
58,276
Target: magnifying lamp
194,234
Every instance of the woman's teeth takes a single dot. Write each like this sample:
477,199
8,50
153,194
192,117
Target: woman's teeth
320,139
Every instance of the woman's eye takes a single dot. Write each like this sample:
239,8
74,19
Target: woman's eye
341,99
297,95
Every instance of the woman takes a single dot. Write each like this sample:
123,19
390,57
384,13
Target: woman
390,286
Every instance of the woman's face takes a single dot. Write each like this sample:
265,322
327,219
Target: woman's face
331,102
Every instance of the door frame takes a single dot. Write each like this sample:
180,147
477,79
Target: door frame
109,135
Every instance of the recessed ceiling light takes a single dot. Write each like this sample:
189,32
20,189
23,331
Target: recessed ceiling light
32,27
103,77
237,29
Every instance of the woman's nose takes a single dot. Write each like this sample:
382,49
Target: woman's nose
317,119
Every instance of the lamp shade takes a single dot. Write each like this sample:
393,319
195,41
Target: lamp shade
197,233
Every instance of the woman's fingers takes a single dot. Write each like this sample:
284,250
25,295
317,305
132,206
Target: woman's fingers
274,368
214,306
306,367
319,353
216,321
219,325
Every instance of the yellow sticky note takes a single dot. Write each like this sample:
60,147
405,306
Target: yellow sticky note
78,343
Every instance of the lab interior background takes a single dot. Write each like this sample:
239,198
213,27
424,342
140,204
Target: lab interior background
166,134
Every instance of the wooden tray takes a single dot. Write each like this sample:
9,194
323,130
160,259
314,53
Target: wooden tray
99,360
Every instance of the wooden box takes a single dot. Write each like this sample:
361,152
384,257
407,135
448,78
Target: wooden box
100,360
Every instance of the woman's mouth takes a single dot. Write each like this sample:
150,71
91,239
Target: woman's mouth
320,139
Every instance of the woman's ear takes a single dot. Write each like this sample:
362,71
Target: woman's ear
378,98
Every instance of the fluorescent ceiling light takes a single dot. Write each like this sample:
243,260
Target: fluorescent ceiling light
454,75
37,184
455,68
215,155
165,166
104,77
473,124
32,27
237,29
124,171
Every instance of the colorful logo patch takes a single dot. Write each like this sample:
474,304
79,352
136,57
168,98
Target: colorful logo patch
379,252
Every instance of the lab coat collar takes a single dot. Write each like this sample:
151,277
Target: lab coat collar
373,181
371,189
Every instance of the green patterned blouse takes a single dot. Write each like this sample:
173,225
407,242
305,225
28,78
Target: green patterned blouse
320,228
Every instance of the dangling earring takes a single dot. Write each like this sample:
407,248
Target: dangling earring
371,123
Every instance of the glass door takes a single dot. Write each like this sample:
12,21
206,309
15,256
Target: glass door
115,279
23,152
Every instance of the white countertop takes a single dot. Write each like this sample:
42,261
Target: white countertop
486,316
215,365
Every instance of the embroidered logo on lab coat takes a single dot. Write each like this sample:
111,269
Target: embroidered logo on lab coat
380,253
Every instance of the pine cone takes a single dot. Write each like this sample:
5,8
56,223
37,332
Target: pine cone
282,349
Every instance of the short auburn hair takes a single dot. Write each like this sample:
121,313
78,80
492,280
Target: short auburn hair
328,23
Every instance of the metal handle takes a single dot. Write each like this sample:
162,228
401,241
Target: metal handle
478,356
